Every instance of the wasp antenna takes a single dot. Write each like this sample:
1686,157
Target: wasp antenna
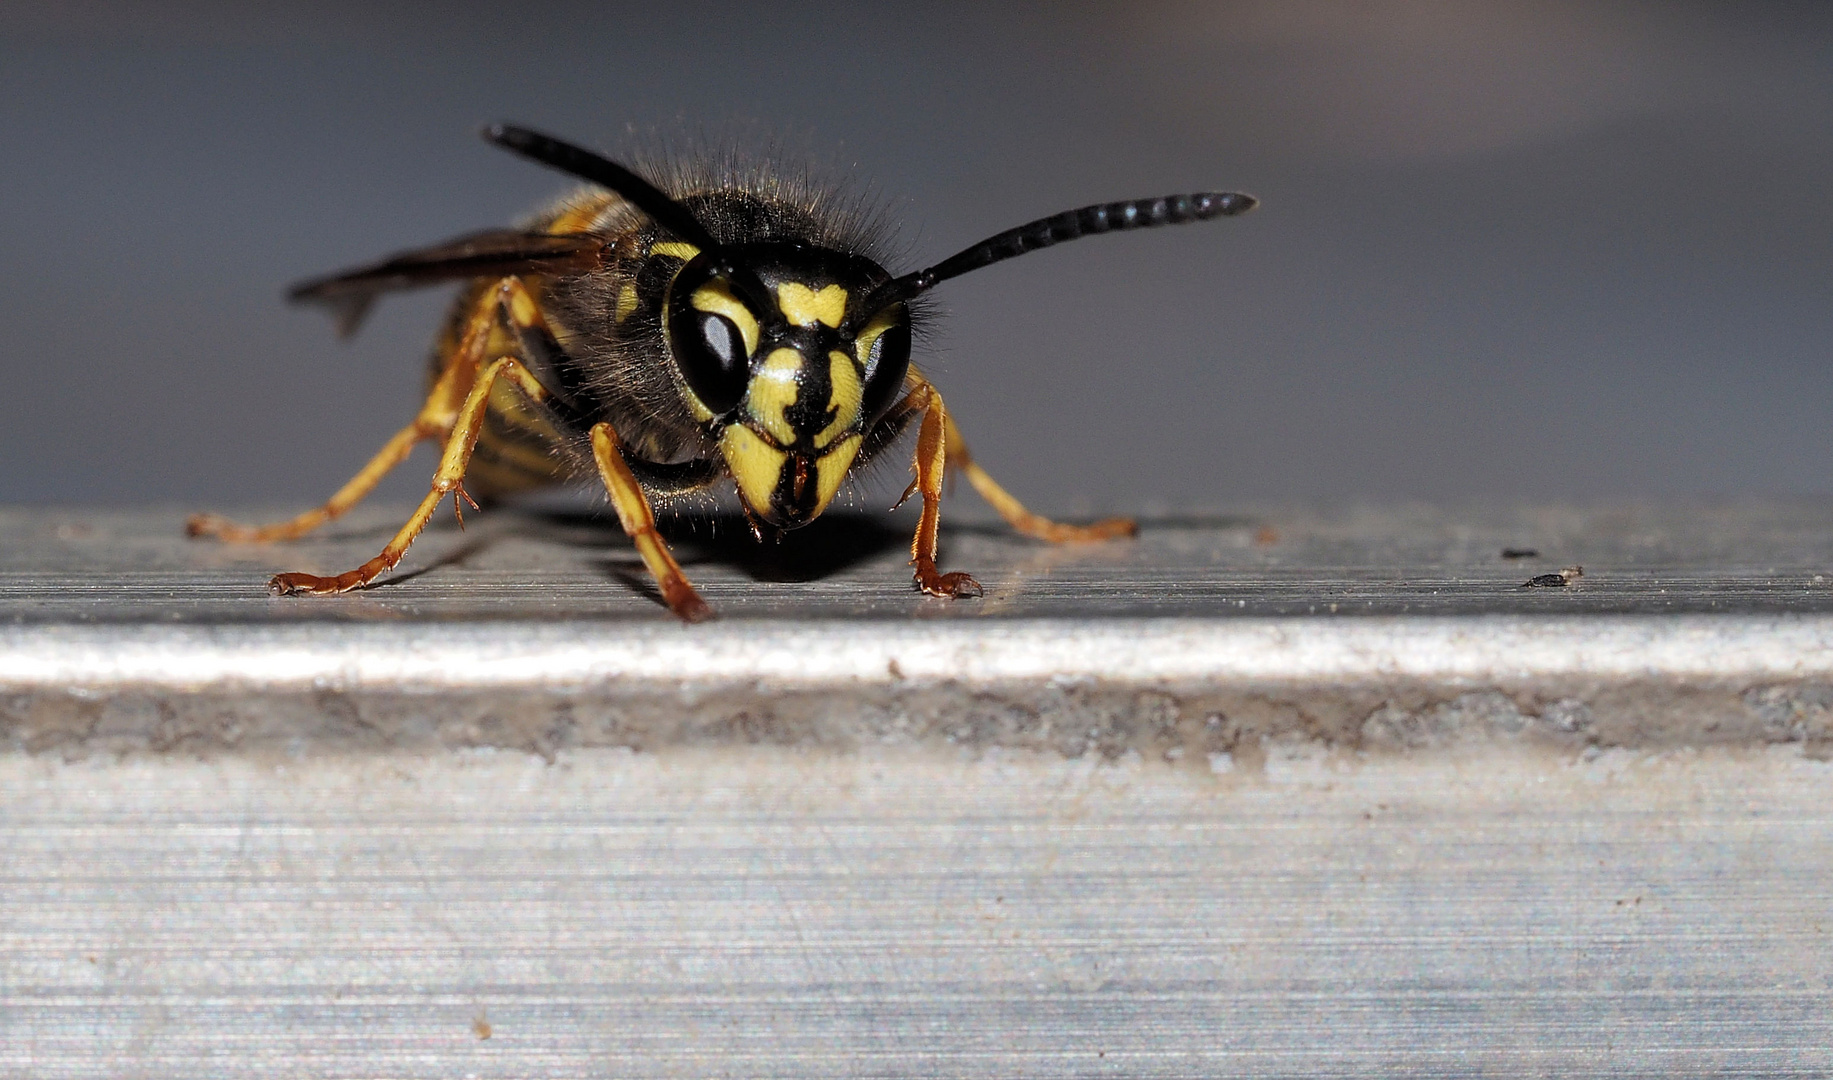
1068,225
604,172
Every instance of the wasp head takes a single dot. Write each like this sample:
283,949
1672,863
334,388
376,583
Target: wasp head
779,357
789,352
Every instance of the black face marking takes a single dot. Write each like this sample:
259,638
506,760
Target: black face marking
813,409
793,502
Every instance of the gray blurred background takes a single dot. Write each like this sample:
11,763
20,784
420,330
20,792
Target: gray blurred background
1507,250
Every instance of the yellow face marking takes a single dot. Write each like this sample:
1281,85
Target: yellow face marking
881,322
843,376
626,301
716,298
674,248
755,465
806,307
831,468
773,390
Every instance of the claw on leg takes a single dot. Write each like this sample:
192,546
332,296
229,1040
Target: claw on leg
956,585
458,509
313,585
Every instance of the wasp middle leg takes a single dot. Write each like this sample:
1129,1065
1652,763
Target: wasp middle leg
1035,525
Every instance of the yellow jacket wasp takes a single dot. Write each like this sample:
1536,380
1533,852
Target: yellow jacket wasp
669,341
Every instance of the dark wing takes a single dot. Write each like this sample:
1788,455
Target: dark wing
491,253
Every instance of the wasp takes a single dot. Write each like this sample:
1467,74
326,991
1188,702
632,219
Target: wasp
672,342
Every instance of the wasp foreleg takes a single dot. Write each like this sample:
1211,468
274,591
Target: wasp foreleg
639,523
931,458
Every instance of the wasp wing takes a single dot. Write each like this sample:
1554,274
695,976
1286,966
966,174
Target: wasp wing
491,253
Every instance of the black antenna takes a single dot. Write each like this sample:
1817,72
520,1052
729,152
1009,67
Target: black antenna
1068,225
586,165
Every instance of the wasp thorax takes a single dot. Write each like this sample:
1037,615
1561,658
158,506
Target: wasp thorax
777,358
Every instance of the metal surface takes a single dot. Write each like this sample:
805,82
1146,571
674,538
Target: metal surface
1754,557
1151,808
775,914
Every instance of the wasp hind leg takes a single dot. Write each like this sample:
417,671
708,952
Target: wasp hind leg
434,421
356,490
1014,511
447,481
454,411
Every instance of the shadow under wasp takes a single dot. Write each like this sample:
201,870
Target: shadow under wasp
738,328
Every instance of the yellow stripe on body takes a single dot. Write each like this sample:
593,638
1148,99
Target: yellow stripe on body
511,421
581,213
674,249
512,446
487,478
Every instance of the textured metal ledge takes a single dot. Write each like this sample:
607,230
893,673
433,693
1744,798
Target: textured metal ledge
1691,626
1296,794
1169,686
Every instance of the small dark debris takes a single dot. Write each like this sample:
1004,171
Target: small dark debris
1555,581
1266,536
1520,553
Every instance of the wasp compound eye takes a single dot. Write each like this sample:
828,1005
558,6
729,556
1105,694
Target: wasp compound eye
886,355
712,358
711,334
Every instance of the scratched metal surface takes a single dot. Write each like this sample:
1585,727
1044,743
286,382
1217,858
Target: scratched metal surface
1148,809
772,914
